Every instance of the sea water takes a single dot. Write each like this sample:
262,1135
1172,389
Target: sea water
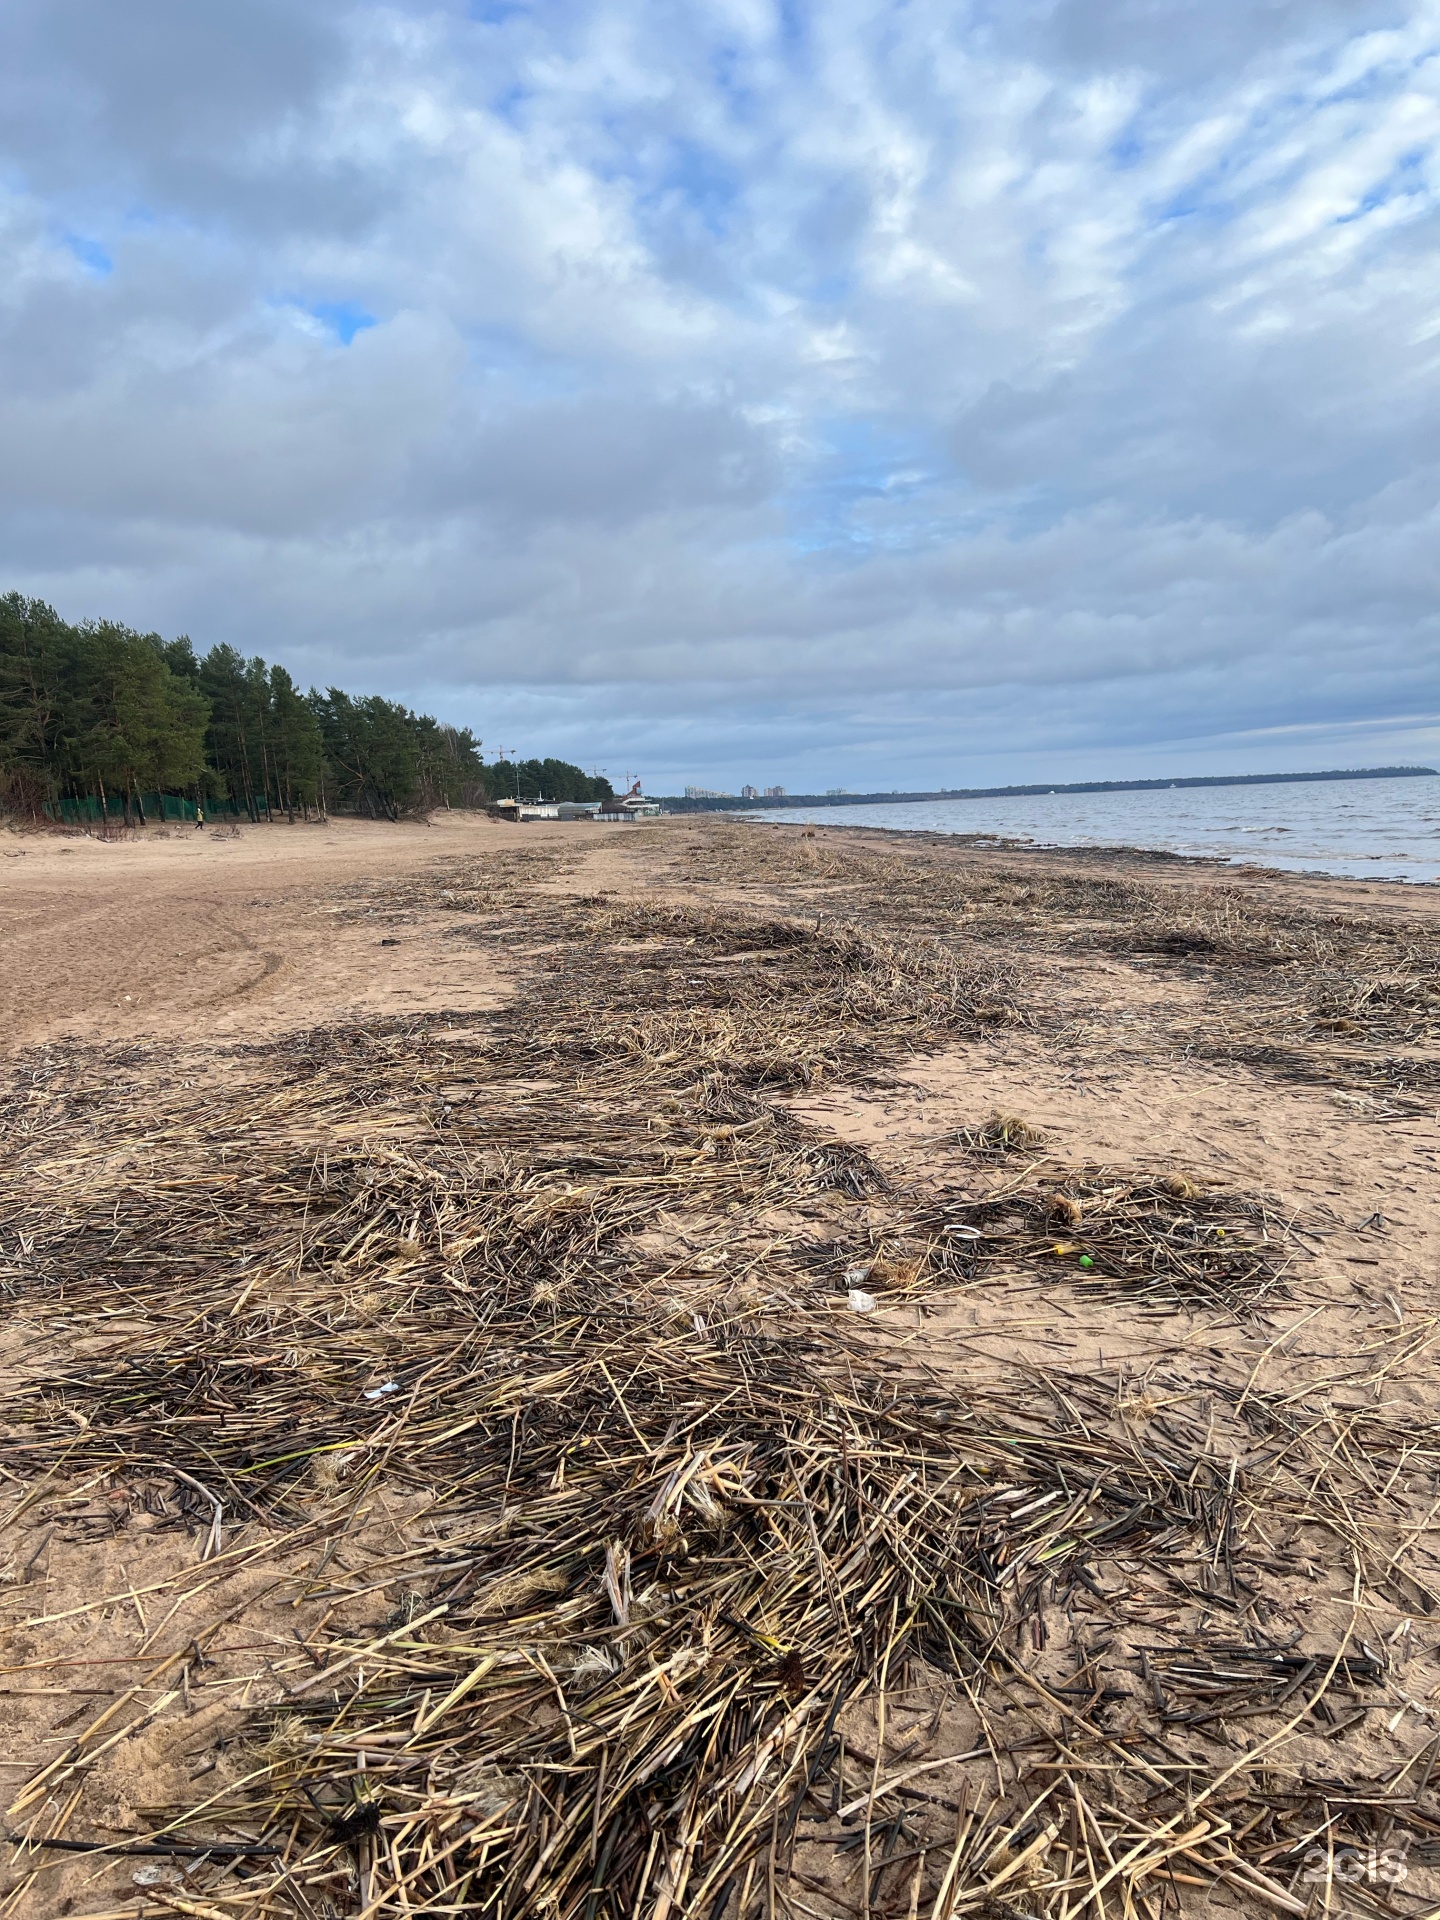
1369,829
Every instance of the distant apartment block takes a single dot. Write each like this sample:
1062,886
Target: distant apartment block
707,793
749,793
774,793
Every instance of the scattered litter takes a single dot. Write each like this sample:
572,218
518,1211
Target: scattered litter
153,1874
379,1393
860,1301
1138,1240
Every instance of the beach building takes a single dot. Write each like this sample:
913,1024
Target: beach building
630,806
509,809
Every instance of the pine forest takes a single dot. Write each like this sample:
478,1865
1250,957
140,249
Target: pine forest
98,721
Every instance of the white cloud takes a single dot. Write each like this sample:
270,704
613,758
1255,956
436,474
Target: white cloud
846,382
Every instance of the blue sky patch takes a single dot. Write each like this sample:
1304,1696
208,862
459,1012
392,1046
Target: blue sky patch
1407,179
1128,150
344,318
703,181
91,255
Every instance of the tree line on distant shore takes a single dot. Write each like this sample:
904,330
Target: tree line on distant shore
97,715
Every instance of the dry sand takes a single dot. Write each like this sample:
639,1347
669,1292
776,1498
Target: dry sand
185,947
198,936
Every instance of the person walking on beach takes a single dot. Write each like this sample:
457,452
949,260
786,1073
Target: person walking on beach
199,818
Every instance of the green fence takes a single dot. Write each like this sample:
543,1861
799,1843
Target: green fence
87,810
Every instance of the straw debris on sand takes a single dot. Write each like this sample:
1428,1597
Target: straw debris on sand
444,1472
1336,996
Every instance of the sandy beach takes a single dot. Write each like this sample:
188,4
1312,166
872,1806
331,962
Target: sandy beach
707,1368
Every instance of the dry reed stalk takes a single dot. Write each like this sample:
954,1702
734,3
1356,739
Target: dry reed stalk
686,1552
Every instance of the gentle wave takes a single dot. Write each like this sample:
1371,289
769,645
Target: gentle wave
1362,829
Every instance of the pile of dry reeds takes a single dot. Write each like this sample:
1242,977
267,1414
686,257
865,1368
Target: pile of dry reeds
495,881
704,1597
766,1001
1161,1237
1344,1000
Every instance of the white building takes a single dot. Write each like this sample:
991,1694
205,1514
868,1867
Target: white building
630,806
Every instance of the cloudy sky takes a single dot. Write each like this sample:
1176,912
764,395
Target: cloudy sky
859,393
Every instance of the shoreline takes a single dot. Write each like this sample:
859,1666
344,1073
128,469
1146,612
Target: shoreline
1343,834
1117,854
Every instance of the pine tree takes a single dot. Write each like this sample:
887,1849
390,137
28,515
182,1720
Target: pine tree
299,748
102,712
234,739
140,727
